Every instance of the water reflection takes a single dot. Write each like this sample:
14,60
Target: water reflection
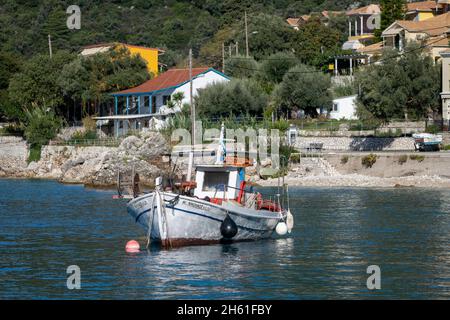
338,233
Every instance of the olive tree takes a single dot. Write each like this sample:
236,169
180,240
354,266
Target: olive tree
304,88
237,97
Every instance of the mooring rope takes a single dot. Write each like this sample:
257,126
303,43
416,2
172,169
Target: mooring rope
166,222
151,216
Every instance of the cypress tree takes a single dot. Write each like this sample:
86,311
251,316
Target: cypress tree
392,10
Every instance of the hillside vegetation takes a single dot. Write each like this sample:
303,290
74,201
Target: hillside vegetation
171,24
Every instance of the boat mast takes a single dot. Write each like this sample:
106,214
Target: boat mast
191,153
221,150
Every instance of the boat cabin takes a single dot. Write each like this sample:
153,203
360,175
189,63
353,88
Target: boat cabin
218,181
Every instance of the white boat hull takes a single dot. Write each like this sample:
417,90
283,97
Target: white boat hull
175,220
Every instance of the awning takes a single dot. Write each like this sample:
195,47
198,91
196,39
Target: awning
128,116
352,45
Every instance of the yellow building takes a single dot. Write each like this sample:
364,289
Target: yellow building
150,55
424,10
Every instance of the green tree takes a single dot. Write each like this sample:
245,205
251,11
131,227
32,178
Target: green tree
274,67
339,22
9,65
90,80
406,86
314,41
391,10
36,85
237,97
267,34
303,88
55,26
241,67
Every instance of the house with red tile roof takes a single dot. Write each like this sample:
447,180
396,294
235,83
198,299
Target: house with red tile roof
324,16
432,33
423,10
154,99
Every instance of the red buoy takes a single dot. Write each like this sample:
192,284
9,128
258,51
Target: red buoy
132,246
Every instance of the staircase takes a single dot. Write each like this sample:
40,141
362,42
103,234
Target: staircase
314,167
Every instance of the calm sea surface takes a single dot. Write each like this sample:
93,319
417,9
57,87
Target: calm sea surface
46,226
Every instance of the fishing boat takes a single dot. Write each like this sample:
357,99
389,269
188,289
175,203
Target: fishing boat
427,142
219,205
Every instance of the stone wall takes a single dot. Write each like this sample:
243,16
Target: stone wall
358,143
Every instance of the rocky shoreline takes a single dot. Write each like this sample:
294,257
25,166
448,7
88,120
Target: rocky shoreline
356,180
92,166
98,167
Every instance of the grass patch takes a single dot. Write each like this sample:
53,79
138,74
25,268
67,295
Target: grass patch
87,135
369,160
447,147
417,157
344,159
402,159
35,153
433,129
12,130
389,134
295,158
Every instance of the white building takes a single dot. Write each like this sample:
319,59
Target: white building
138,107
344,108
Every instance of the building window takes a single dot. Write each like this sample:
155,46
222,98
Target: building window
215,181
165,100
335,107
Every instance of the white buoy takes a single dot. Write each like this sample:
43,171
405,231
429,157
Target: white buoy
281,228
289,221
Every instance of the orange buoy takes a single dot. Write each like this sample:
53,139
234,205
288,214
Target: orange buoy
132,246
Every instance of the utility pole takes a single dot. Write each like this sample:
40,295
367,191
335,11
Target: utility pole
50,46
191,100
223,57
229,50
237,48
246,35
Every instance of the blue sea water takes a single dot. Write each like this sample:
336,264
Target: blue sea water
46,227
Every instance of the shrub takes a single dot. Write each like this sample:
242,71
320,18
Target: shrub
42,126
295,158
447,147
12,130
402,159
84,135
369,160
344,159
89,124
285,154
35,154
281,124
417,157
433,129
